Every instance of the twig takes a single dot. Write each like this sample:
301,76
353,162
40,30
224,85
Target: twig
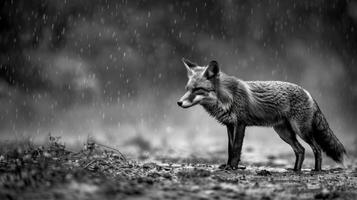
91,162
114,150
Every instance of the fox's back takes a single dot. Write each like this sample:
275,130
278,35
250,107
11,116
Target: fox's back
274,101
278,92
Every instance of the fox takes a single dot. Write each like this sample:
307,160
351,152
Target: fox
237,104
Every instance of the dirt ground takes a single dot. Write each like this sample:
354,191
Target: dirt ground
51,171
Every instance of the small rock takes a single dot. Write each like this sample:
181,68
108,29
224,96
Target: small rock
195,188
216,187
167,175
242,167
154,175
149,165
263,173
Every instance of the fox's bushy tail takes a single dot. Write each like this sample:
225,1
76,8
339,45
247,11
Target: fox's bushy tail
325,137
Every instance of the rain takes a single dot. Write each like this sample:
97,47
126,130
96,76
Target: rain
112,71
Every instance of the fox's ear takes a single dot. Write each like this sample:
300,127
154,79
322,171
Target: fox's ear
189,65
212,69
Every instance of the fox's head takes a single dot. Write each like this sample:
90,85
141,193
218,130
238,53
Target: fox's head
201,85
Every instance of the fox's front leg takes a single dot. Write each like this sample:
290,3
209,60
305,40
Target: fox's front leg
230,132
235,142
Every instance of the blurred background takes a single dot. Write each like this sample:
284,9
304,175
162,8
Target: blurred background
112,69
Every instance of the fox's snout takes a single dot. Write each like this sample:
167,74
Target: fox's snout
185,103
189,99
185,100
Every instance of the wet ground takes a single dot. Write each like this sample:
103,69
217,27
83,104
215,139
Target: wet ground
99,172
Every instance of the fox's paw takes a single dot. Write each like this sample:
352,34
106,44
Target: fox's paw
317,170
222,166
294,170
230,167
227,167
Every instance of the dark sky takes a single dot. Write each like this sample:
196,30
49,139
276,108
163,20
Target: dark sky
113,68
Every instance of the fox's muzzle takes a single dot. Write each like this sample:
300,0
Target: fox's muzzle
189,99
186,100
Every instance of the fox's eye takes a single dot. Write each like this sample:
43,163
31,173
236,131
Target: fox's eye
200,91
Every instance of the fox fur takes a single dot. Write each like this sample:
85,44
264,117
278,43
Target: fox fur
286,107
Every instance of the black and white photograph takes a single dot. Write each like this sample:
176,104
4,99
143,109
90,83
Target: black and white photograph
178,99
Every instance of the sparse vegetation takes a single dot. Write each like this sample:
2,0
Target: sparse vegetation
52,171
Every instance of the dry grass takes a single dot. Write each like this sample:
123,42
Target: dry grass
97,171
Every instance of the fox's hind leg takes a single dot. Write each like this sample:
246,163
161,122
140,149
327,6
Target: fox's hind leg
306,134
317,152
287,134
